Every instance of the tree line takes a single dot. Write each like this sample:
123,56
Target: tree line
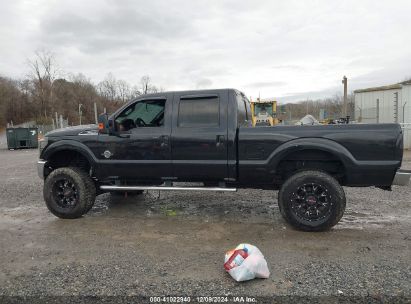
43,92
332,108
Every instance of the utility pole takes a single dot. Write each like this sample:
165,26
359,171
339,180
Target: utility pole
95,113
57,119
378,110
360,117
79,111
344,82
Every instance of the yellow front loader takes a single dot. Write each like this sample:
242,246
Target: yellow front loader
264,113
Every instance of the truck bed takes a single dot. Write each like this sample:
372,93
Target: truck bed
369,154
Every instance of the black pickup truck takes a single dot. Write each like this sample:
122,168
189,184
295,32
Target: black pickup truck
164,140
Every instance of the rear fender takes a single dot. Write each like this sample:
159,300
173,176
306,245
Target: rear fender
320,144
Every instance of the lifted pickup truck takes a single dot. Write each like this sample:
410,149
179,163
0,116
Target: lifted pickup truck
161,141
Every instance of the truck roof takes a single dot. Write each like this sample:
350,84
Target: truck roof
186,92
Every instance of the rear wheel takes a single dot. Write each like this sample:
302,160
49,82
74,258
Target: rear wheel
69,192
312,201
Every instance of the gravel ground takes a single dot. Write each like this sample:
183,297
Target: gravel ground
172,243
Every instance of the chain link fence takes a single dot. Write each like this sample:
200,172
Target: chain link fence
42,128
406,127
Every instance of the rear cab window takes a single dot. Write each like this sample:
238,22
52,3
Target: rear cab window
243,110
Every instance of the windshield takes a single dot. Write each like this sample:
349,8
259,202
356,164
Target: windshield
263,109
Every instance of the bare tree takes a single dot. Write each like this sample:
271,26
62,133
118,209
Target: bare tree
135,91
43,74
108,87
124,91
146,85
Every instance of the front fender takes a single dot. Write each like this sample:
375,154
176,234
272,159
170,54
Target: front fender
69,145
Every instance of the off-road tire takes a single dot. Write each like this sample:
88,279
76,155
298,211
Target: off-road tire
334,191
86,192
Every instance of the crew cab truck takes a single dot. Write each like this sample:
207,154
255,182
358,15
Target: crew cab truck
163,140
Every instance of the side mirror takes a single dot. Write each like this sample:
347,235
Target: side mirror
105,125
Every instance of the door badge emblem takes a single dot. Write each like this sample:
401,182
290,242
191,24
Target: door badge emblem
107,154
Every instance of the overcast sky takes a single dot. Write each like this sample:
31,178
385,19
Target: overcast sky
285,49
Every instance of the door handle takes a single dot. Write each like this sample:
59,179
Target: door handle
164,141
220,139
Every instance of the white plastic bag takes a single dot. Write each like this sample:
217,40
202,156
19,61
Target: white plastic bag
253,266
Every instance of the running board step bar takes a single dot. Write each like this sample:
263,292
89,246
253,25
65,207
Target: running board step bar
168,188
402,177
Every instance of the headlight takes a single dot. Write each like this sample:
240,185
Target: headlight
42,144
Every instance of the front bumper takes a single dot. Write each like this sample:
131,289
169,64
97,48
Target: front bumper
40,168
402,177
262,124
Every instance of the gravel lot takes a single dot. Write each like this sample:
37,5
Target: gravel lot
172,243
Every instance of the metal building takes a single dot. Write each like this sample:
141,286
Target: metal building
386,104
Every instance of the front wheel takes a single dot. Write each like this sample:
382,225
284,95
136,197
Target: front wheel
69,192
312,201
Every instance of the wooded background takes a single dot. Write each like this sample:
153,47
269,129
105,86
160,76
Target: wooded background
44,91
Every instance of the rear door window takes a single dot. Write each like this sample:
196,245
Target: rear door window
199,111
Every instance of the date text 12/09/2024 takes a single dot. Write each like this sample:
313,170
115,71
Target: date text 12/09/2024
203,299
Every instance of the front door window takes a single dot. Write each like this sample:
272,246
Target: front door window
144,113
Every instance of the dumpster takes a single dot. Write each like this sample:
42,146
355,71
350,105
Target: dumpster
19,138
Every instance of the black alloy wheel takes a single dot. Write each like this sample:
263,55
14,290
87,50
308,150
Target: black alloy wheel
69,192
65,193
311,201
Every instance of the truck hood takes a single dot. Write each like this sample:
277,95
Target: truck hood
73,131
